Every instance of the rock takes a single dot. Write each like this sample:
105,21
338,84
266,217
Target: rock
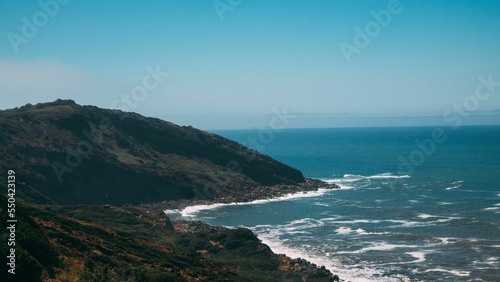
168,224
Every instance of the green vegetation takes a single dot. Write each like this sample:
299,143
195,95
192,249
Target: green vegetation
35,257
70,154
106,243
75,176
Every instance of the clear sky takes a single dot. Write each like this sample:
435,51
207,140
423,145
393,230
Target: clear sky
233,63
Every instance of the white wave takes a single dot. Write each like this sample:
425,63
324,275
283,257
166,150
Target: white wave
454,272
344,187
299,226
345,272
344,230
387,176
413,201
420,256
354,177
491,209
382,247
378,247
425,216
192,210
446,219
334,180
361,231
447,240
175,211
365,221
399,223
264,226
453,187
441,219
406,223
303,223
338,182
490,261
294,232
334,220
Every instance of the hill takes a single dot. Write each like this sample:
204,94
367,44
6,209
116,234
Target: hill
90,185
65,153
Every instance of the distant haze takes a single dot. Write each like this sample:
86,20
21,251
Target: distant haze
234,64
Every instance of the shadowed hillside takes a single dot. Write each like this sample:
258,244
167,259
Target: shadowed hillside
78,167
65,153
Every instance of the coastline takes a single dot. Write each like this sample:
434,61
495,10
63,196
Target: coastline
259,194
190,210
290,260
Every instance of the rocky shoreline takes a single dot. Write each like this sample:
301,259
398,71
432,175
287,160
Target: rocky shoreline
307,270
299,266
258,193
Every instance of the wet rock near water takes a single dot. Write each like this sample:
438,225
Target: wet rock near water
257,193
308,271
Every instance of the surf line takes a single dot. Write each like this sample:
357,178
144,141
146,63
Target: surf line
191,210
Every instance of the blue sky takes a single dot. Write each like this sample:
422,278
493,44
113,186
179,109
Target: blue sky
230,69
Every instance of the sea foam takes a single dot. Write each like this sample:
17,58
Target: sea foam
192,210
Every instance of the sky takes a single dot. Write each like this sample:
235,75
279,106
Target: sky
230,64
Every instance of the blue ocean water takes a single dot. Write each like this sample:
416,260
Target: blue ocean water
406,212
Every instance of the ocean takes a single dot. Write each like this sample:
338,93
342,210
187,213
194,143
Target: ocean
415,204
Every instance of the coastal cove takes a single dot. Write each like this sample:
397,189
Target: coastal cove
250,141
186,212
381,225
335,197
95,216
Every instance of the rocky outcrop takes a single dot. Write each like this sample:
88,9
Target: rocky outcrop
222,239
189,226
309,271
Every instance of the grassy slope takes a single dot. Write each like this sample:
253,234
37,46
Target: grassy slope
105,243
